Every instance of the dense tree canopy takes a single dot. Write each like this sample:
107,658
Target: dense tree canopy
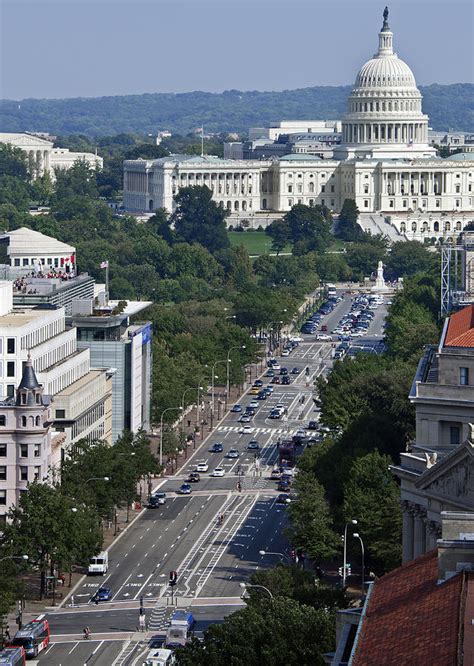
198,219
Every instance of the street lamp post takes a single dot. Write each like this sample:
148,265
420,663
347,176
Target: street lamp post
190,388
246,586
228,373
168,409
356,535
15,557
213,378
344,570
98,478
282,555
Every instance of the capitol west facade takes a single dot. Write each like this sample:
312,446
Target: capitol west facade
384,163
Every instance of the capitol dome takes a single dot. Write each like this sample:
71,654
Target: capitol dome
384,72
384,118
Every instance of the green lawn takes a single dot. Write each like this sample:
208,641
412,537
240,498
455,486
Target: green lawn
255,242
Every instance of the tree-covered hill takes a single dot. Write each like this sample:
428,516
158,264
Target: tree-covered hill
232,110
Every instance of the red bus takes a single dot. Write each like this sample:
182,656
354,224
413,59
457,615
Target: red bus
34,637
287,453
13,655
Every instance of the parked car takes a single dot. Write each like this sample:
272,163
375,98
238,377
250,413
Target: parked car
312,425
285,352
323,337
184,489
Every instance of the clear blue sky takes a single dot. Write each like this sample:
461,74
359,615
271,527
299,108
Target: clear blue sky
89,48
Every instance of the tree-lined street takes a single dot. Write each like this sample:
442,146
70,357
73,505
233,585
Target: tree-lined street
212,558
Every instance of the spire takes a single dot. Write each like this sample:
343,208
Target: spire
385,38
28,380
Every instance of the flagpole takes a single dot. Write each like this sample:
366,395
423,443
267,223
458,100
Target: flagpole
202,140
107,283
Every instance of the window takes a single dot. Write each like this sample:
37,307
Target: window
454,435
17,262
290,189
3,496
366,203
37,450
10,390
24,450
438,203
23,473
25,262
391,203
323,188
332,188
37,421
290,202
10,368
323,202
23,421
464,376
3,473
10,345
405,203
3,450
37,473
3,420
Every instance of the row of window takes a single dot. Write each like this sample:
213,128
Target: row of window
425,226
23,474
23,450
44,261
384,106
10,347
43,333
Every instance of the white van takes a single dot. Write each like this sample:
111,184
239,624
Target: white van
99,564
160,657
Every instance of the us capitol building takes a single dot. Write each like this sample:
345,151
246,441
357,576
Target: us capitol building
384,163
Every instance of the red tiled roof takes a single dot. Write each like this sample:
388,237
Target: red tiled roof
410,619
460,331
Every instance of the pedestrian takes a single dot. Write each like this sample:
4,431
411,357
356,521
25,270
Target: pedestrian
86,632
142,622
7,635
239,487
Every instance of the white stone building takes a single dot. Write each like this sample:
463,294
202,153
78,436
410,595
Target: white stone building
43,158
385,163
33,251
81,395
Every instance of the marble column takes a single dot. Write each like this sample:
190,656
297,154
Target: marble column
418,535
407,537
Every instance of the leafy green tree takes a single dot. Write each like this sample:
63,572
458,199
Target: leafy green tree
14,191
409,330
278,631
53,530
13,162
279,232
363,259
198,219
372,495
347,227
145,151
310,521
42,189
332,267
309,228
409,257
79,180
299,584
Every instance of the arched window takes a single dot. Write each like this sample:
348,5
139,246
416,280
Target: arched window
366,189
150,205
447,226
413,226
436,226
311,188
264,204
236,205
244,205
23,421
229,205
458,189
37,421
458,228
403,227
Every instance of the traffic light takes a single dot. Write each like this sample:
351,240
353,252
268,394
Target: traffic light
340,571
173,578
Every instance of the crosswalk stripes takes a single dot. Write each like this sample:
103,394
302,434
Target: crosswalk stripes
158,618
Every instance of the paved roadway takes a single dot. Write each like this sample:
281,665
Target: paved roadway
183,535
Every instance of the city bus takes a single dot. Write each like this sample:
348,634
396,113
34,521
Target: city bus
13,655
34,637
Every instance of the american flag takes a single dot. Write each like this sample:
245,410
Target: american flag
104,264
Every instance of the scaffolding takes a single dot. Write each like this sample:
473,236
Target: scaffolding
457,273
